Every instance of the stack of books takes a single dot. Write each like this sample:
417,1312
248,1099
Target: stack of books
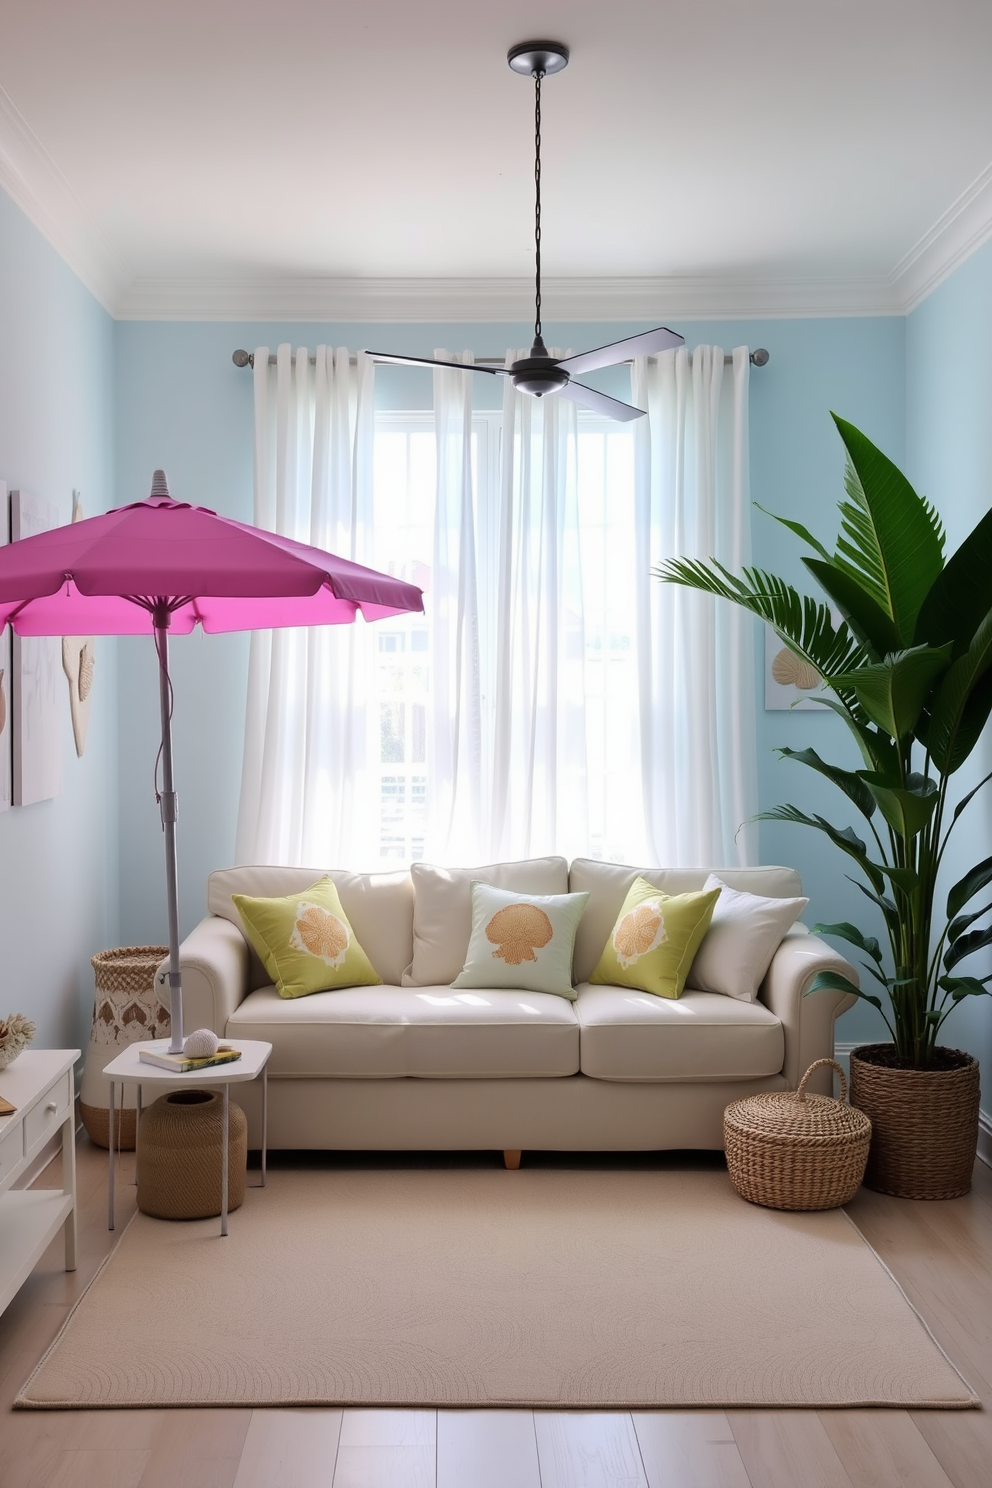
183,1064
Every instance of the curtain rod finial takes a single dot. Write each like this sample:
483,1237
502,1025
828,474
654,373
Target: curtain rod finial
242,358
758,357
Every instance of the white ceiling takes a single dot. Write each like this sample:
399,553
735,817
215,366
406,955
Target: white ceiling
317,159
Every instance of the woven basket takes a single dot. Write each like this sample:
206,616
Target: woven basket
125,1009
796,1151
127,968
924,1124
180,1153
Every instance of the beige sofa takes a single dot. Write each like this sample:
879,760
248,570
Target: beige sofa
414,1064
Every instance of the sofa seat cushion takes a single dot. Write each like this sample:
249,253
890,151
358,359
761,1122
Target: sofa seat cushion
630,1035
426,1032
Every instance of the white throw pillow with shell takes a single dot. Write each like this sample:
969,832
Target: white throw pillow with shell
745,932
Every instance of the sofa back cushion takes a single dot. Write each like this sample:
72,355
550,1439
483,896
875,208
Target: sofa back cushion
442,910
379,907
607,885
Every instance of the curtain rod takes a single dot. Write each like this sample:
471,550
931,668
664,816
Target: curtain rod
240,358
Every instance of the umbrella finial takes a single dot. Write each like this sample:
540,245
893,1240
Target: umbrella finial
160,485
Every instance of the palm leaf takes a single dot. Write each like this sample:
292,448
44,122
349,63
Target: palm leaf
805,626
963,702
846,780
892,541
958,600
892,692
863,614
846,839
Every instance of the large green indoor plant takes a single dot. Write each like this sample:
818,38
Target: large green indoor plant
908,666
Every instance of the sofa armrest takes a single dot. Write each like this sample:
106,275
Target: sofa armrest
214,961
808,1022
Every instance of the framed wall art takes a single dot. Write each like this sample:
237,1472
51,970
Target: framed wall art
36,694
790,682
6,757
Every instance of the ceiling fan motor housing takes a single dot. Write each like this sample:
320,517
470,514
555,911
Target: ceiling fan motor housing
535,375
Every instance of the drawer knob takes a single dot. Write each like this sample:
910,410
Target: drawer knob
52,1106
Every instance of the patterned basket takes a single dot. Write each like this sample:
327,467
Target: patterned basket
126,1008
797,1151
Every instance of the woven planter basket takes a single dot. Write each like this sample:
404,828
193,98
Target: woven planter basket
924,1124
791,1150
126,1008
180,1153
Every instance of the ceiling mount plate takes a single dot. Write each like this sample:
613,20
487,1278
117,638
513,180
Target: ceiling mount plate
531,57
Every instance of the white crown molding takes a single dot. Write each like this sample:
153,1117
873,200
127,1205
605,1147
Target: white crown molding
954,237
395,301
34,181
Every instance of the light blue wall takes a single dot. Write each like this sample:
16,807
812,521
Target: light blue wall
949,459
86,403
58,859
182,404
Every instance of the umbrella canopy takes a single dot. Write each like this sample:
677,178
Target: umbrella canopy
161,565
108,574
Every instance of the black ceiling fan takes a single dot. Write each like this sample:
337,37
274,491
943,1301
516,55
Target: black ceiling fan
539,373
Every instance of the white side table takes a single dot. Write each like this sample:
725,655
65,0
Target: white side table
39,1084
253,1061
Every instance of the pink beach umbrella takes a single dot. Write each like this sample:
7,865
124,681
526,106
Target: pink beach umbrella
161,565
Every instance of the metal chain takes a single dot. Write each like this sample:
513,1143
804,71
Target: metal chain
537,201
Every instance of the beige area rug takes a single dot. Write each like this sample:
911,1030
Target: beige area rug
489,1288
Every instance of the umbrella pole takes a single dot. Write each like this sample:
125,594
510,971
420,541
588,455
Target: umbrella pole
169,805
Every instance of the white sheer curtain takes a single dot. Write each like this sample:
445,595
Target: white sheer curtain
456,800
533,724
696,653
538,791
309,791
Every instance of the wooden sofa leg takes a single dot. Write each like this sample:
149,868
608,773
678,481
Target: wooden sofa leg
511,1158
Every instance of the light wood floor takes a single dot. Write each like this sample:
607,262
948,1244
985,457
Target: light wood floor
941,1253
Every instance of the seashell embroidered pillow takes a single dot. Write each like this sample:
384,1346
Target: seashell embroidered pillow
655,938
305,941
523,941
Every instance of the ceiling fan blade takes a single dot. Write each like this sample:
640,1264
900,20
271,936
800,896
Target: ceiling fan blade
599,402
645,344
415,361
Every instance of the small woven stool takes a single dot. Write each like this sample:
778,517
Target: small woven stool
180,1147
796,1151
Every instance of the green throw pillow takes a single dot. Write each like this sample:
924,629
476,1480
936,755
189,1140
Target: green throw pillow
305,941
654,939
522,940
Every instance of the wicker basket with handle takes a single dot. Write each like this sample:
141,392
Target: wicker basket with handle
790,1150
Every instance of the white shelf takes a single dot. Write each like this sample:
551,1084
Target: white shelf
30,1219
39,1085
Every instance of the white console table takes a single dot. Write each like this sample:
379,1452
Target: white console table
39,1084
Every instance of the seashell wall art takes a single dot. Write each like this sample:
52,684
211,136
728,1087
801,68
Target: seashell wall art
790,682
6,758
78,658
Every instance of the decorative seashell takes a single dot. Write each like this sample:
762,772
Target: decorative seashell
319,933
201,1044
640,931
86,663
517,932
790,670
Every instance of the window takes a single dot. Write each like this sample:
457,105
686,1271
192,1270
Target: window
598,614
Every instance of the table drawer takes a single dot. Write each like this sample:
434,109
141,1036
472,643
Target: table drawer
49,1111
11,1151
